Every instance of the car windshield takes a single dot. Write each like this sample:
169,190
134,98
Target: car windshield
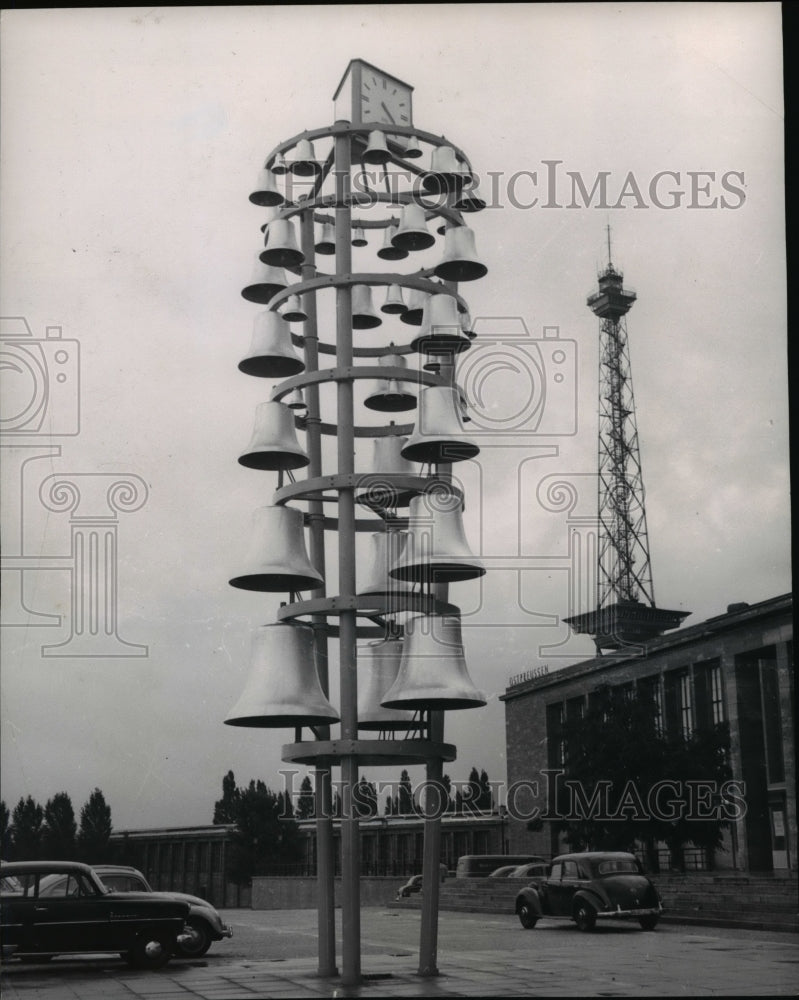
612,867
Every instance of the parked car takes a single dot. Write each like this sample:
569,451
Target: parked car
531,870
504,871
58,907
414,884
582,887
481,865
204,925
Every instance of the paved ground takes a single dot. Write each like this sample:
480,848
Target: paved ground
273,954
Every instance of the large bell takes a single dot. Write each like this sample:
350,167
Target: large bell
364,314
446,173
278,558
432,673
293,311
414,314
266,282
378,492
376,152
436,550
326,244
391,396
265,192
395,303
439,435
378,666
441,330
283,688
460,261
388,251
386,549
304,163
281,248
274,445
359,237
271,352
412,233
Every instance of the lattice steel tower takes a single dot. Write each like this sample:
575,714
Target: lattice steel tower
625,612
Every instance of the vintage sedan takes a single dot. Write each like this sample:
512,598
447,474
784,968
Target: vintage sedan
204,925
583,887
58,907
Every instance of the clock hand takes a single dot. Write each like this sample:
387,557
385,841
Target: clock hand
391,117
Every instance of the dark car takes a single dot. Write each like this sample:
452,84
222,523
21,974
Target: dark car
204,924
582,887
58,907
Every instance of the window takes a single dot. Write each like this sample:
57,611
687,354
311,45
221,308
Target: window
570,870
716,695
556,746
557,871
686,706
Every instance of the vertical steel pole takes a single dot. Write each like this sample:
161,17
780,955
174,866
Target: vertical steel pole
325,867
350,846
434,773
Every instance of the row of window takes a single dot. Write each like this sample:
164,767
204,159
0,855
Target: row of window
683,701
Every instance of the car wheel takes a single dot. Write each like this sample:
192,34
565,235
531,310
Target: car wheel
649,923
584,915
199,940
527,916
150,951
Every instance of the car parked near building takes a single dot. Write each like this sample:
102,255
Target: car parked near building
57,907
532,870
583,887
204,924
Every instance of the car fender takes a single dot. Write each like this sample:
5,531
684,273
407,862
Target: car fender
592,898
533,900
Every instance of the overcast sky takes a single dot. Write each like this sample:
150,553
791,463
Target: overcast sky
131,139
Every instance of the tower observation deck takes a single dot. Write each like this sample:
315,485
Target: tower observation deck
626,612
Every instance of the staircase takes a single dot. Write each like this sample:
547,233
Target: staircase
759,902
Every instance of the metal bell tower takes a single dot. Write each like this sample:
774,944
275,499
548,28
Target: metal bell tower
626,612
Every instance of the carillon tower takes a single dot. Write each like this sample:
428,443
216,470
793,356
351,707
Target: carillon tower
626,613
362,196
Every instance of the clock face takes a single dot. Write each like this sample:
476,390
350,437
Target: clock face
384,100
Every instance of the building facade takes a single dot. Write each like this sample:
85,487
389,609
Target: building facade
735,668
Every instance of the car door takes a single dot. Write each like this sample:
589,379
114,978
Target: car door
552,891
561,891
70,915
17,900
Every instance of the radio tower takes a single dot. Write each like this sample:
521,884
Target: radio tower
626,613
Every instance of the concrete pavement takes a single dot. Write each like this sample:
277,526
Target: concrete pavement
479,955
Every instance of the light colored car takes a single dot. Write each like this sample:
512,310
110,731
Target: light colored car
504,871
531,870
203,926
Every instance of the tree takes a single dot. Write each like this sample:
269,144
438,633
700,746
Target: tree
306,803
266,834
225,808
60,829
485,800
405,795
26,830
616,760
364,798
95,829
5,832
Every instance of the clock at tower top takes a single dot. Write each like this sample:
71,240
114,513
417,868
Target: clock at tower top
368,95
